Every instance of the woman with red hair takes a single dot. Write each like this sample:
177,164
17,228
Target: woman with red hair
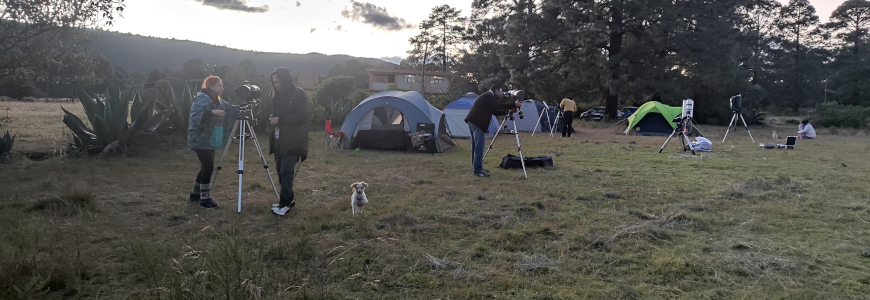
207,131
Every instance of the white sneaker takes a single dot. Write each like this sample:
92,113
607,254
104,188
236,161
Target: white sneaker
281,210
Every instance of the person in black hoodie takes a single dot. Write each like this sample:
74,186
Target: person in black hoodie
289,140
485,106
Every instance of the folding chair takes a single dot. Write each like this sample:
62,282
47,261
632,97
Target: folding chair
333,139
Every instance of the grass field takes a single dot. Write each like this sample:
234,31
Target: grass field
613,219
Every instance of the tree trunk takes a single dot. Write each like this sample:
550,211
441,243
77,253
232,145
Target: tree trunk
611,102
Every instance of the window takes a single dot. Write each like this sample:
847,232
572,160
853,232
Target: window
385,78
409,78
436,80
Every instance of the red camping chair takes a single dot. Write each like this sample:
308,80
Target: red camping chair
333,139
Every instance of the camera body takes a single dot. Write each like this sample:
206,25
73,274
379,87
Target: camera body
248,93
736,103
688,108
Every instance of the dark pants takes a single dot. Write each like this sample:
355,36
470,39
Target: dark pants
567,119
206,165
286,167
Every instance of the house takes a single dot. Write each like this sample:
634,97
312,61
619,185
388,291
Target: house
411,80
307,80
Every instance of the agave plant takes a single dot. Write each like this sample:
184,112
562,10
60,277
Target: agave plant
6,144
177,108
111,133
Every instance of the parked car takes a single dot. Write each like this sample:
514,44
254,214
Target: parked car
627,111
593,114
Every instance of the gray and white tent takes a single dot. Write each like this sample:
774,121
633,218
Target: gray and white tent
384,121
531,111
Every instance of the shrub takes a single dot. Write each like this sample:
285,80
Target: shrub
833,114
6,144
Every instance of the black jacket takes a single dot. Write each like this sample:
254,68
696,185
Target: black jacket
485,106
292,113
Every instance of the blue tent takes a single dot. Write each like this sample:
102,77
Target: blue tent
455,112
384,121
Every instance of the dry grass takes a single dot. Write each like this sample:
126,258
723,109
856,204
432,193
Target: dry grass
612,219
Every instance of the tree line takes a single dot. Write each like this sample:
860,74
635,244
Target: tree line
626,52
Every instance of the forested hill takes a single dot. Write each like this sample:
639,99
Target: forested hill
143,54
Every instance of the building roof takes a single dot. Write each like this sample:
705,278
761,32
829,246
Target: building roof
408,72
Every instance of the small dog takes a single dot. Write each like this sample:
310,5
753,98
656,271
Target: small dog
358,199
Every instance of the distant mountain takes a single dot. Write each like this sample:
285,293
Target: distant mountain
143,54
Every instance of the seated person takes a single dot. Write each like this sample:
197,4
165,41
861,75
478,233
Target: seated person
806,131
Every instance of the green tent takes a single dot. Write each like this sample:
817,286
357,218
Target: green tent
653,118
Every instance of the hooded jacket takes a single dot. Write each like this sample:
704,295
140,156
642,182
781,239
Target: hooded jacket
290,105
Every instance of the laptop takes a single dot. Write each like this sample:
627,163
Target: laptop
789,143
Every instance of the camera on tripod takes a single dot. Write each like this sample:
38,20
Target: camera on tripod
248,93
735,103
518,95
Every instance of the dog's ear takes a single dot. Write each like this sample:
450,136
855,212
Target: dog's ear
353,186
365,184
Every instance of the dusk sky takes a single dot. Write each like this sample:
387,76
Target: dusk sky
367,28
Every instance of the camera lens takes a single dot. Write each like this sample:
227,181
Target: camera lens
247,91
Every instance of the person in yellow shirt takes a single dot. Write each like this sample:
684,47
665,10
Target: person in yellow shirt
568,107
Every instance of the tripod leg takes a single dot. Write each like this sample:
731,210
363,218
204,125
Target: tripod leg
549,121
553,127
241,171
224,155
747,128
541,117
520,150
263,159
668,140
688,144
733,119
500,126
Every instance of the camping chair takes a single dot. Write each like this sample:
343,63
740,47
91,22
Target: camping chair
333,139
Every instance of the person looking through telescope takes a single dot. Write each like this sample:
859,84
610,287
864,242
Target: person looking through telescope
289,141
206,132
485,106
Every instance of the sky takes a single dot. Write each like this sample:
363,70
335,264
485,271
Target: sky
364,28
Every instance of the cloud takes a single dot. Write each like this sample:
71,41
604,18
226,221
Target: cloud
237,5
312,30
338,28
377,17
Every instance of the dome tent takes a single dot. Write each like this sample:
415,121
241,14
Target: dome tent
383,121
531,112
653,118
455,113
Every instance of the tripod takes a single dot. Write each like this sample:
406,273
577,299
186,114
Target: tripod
683,127
246,131
541,117
558,118
734,123
517,136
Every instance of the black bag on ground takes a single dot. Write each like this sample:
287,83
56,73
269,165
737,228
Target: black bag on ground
513,162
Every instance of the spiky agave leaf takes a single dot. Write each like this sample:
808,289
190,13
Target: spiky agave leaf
81,132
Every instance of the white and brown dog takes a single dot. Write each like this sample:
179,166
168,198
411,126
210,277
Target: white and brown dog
358,199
